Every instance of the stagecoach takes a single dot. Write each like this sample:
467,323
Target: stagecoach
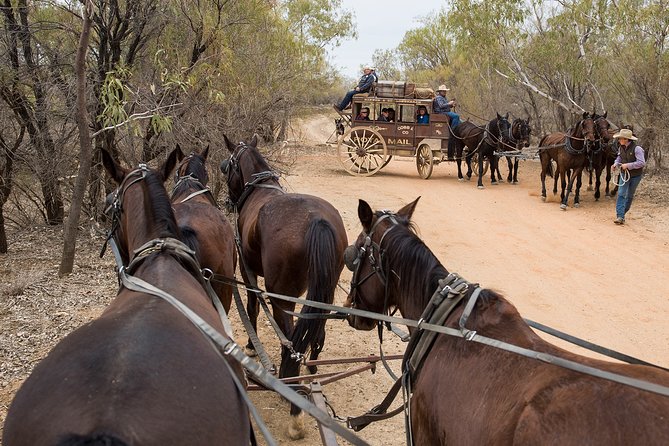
367,146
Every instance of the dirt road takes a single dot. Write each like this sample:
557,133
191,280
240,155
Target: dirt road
573,270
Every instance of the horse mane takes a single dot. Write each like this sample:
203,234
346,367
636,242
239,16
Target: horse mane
407,253
410,255
164,221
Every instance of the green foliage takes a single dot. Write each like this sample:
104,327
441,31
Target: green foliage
113,97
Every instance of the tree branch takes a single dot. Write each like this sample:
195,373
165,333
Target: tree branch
135,117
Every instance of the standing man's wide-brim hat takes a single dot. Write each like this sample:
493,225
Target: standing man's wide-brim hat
625,133
443,87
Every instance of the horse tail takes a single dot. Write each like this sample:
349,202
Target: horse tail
323,273
91,440
549,165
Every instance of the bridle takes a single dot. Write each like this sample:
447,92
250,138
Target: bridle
231,166
523,135
179,180
586,142
374,252
488,138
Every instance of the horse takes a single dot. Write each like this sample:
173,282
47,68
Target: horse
569,150
467,393
603,155
481,140
517,138
141,373
203,225
296,242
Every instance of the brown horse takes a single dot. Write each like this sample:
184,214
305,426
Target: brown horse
295,241
570,151
203,225
517,137
466,393
141,373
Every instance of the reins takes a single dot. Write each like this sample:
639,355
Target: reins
225,347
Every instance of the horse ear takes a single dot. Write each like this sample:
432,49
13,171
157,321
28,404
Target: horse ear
171,162
365,214
254,140
231,147
180,153
604,115
528,119
585,115
498,115
113,168
407,211
205,153
507,116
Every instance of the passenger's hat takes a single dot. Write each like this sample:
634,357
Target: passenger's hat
366,67
442,87
625,133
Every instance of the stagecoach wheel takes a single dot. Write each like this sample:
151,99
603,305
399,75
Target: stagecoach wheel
424,161
387,161
363,151
475,164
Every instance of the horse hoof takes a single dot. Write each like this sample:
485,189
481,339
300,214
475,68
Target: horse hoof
543,198
296,427
495,183
515,182
312,369
480,187
563,207
576,205
461,179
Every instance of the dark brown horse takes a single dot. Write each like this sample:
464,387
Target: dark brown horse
570,151
482,141
517,137
141,373
203,225
469,394
295,241
602,156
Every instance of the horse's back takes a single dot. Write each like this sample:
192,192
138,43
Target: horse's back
213,233
540,403
141,373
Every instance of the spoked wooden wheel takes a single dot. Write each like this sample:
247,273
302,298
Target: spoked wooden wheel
362,151
424,161
475,164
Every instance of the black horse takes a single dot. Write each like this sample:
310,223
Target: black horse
517,138
603,154
482,141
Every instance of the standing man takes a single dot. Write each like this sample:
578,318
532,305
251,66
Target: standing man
631,159
363,86
443,106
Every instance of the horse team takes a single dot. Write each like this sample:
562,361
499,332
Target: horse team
148,370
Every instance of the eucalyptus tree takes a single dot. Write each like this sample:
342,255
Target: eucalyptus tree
25,89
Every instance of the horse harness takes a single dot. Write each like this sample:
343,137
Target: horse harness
179,180
258,180
225,346
451,291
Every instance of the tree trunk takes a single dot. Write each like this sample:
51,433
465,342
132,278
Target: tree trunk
85,152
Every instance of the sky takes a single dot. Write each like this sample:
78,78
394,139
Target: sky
381,24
